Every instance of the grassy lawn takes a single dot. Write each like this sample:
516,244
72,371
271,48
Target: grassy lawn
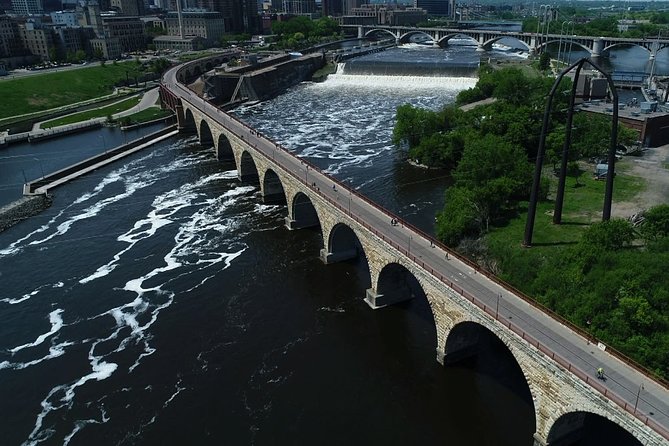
145,115
582,206
44,91
96,113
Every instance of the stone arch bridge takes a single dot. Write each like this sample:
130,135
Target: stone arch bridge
470,308
535,43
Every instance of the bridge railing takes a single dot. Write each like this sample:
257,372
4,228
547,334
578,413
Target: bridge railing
584,376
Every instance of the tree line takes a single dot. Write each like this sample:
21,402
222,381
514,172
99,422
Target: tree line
611,282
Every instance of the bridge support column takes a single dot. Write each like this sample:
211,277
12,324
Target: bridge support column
299,224
330,257
376,301
182,126
361,32
539,440
597,47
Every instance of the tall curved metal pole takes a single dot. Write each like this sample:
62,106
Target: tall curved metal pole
560,44
559,197
541,150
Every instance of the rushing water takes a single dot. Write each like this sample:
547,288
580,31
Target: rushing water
158,301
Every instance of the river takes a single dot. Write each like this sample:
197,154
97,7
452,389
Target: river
158,301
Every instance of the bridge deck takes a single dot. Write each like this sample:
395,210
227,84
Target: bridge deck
554,337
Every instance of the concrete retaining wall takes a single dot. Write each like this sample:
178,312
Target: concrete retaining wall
41,185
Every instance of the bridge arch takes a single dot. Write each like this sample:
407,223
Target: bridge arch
224,148
204,132
371,32
189,121
302,212
445,40
625,45
405,38
544,46
208,66
272,188
247,170
581,427
487,45
342,243
473,343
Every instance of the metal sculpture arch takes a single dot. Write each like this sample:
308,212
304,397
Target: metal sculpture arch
589,428
272,188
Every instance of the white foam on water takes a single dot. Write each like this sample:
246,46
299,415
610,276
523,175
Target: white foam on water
375,82
55,351
134,177
80,424
56,324
62,396
165,206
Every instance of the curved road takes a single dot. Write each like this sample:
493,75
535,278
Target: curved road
571,349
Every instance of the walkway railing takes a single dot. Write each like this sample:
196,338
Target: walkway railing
492,312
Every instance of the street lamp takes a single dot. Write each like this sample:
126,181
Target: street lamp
636,403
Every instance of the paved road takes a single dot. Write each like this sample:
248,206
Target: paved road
576,350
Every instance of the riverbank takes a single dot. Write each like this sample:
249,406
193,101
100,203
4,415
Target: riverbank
37,193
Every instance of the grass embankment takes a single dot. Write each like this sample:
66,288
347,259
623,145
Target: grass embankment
96,113
583,204
44,91
145,116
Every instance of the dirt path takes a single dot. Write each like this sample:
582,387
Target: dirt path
653,166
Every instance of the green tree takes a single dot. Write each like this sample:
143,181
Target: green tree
656,223
544,61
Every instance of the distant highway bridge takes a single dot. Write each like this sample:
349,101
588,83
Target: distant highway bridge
471,308
535,43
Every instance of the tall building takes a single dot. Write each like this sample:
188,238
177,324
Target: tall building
65,18
332,8
129,7
299,7
128,30
435,7
208,25
27,7
10,38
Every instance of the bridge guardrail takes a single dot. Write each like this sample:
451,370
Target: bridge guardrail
644,418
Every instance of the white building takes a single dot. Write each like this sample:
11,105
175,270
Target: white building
65,18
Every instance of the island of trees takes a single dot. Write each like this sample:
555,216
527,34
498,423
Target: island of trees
606,277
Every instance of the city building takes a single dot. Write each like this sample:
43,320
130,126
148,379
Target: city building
10,38
128,7
65,18
299,7
177,43
107,48
27,7
208,25
239,15
436,7
128,30
385,14
38,41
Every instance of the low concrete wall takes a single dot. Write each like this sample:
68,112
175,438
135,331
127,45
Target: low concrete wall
21,209
42,185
